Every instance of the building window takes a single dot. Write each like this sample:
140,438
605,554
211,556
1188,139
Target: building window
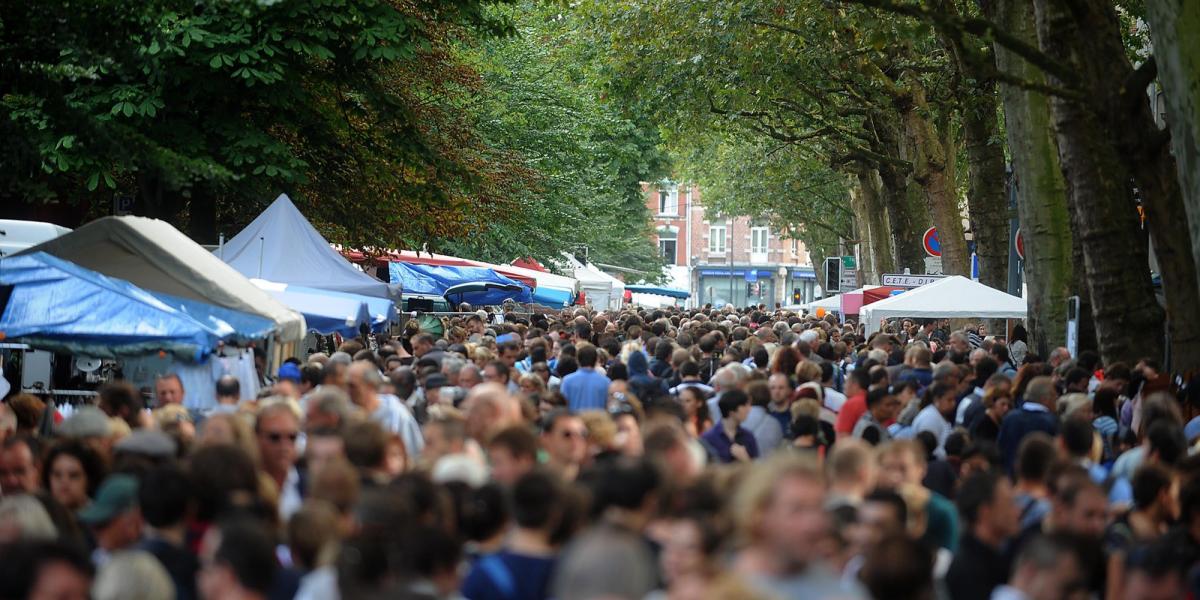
716,239
758,240
667,244
759,244
666,202
667,249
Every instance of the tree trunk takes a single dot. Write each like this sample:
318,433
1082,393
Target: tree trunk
1041,191
1127,316
987,202
987,205
875,216
907,215
1173,27
930,163
862,230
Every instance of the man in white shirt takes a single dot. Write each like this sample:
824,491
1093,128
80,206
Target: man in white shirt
938,416
363,381
833,398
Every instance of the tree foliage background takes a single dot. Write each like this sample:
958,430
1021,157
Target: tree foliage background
391,123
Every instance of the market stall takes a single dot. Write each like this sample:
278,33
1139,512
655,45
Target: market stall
55,305
156,257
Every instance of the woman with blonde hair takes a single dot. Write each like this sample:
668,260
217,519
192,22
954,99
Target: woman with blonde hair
482,356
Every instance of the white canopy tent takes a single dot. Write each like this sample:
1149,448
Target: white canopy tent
597,286
953,297
617,295
280,245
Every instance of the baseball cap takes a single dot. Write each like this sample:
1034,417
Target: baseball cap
289,371
148,442
435,381
86,421
117,494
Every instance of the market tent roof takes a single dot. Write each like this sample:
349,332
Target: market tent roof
524,276
551,290
433,280
599,290
281,245
659,291
324,312
155,256
948,298
231,325
834,302
56,305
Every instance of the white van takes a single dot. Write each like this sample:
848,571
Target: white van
16,236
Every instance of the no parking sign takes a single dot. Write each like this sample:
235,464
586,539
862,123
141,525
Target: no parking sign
930,242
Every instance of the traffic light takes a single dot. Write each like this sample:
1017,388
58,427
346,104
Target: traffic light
797,296
833,274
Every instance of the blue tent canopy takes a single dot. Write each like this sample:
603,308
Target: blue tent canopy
227,323
380,311
324,311
487,286
659,291
59,306
552,297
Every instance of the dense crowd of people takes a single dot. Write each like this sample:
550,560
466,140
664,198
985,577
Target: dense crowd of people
662,453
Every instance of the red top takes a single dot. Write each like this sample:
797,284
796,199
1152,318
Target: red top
851,412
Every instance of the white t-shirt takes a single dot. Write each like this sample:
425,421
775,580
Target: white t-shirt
834,400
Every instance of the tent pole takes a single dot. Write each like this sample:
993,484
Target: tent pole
261,242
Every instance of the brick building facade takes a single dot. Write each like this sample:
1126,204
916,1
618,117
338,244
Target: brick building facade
721,259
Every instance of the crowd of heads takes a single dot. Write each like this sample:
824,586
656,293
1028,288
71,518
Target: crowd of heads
674,453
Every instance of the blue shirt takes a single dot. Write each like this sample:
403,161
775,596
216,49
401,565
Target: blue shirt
720,444
585,389
1019,423
509,576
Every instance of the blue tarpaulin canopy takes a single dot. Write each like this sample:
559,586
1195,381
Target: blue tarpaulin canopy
658,291
324,311
59,306
228,324
381,311
552,297
489,287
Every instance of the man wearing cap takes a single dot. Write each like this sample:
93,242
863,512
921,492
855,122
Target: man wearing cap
433,387
114,518
288,381
91,426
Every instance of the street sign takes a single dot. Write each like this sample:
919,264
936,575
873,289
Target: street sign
933,265
930,242
907,281
849,280
1020,244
